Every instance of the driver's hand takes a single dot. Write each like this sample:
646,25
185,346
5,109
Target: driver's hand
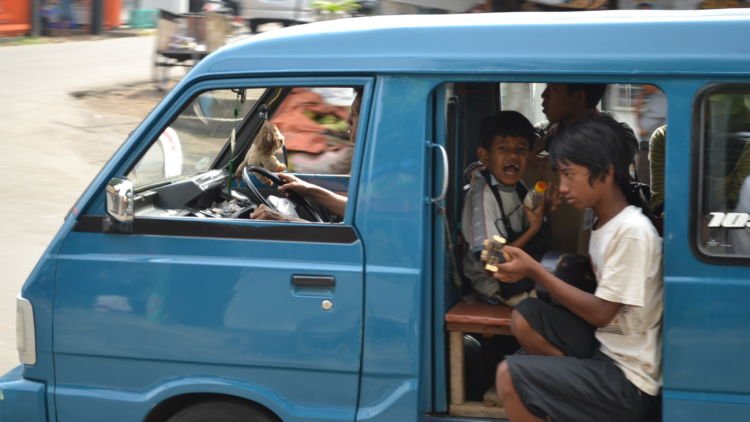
295,184
264,212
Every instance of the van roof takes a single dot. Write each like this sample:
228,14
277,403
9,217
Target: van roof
632,42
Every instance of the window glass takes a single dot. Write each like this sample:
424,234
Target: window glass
308,131
642,107
191,143
313,121
725,185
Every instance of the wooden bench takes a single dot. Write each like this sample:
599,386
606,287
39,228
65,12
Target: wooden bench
471,315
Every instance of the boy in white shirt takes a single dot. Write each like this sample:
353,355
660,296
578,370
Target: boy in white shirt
598,357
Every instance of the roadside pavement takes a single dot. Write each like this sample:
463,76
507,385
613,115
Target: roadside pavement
78,36
66,107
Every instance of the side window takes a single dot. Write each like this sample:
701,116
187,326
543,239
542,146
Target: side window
191,143
195,166
725,166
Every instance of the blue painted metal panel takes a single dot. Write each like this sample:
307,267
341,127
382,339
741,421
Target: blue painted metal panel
564,43
706,332
699,407
135,315
21,400
393,190
706,336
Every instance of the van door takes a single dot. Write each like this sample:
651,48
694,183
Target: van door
190,302
706,268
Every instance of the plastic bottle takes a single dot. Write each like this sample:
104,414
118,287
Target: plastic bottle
535,196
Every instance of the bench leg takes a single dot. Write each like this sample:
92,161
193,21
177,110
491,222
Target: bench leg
457,367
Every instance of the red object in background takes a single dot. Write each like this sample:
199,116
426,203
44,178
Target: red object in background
15,17
303,133
112,12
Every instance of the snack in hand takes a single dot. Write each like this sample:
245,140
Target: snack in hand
493,253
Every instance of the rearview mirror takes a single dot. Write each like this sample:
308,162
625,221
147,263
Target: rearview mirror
120,207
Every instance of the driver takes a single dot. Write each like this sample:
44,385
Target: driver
334,202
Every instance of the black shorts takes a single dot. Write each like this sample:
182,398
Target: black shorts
565,330
584,385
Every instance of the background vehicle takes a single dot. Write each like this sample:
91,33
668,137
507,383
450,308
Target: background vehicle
285,12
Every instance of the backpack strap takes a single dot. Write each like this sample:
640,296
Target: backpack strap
520,190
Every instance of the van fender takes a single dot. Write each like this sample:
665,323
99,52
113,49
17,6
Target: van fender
220,386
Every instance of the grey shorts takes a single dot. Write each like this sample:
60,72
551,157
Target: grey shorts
564,329
584,385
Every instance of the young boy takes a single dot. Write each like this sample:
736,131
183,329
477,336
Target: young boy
599,357
493,205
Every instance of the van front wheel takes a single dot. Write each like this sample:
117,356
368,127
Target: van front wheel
221,411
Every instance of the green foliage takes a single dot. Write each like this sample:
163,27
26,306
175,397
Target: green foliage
334,6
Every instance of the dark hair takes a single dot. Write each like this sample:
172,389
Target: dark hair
598,143
593,92
505,123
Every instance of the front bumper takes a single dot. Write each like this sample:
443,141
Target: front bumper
20,399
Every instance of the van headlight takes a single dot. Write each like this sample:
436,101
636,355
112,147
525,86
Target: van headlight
25,331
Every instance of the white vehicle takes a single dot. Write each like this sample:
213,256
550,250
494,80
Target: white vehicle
285,12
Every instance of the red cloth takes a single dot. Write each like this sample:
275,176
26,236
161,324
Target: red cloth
302,133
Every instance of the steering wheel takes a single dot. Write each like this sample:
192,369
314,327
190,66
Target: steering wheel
299,201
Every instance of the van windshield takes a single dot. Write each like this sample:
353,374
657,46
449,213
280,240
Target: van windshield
193,140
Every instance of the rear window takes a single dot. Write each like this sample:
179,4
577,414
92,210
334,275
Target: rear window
724,130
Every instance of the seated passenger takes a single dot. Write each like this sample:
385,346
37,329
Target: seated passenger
494,204
566,104
598,357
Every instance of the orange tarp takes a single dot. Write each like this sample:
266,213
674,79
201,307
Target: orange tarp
303,133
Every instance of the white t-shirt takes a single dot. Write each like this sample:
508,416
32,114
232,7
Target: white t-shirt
626,256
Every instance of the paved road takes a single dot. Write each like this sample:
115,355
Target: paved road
53,145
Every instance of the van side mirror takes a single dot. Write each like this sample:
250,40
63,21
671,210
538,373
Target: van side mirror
120,207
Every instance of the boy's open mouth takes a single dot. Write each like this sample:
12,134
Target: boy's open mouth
511,169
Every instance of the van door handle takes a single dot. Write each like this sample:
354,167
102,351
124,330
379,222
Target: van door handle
313,281
444,188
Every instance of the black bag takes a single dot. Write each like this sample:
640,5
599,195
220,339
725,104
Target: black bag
575,270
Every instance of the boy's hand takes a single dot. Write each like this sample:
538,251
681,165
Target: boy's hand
520,266
535,216
552,198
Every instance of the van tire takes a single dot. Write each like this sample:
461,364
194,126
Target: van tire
221,411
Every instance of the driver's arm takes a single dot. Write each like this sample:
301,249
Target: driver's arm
334,202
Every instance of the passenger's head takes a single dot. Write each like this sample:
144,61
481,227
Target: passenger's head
570,102
505,141
353,120
595,153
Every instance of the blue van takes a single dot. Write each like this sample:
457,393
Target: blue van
160,300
